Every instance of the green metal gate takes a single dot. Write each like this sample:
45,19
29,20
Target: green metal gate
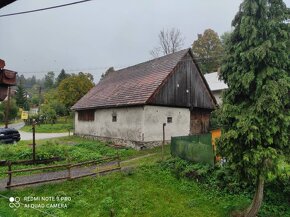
196,148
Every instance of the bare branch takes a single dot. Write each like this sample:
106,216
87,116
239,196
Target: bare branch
155,52
170,41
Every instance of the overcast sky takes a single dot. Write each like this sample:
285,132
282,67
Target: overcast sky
95,35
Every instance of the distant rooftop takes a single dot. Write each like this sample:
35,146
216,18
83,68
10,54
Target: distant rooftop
214,82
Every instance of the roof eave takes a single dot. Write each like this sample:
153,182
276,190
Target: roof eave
108,106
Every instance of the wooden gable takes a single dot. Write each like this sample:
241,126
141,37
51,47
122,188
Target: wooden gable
184,87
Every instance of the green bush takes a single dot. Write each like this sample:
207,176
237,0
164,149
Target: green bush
226,181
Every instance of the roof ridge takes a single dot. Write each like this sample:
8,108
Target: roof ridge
155,59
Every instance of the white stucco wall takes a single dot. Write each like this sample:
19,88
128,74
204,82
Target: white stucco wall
136,123
155,116
218,96
129,125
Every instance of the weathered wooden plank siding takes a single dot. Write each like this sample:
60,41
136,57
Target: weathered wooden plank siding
185,88
199,121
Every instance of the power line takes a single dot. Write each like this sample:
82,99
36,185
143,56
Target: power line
43,9
99,68
70,69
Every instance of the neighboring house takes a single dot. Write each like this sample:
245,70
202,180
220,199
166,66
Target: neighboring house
130,106
216,85
33,111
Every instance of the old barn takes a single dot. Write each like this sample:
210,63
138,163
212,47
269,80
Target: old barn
130,106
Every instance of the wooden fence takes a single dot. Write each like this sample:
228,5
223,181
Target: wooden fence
112,162
30,162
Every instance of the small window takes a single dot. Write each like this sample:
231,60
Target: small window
86,115
169,120
114,118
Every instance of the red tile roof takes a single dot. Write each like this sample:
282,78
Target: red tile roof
130,86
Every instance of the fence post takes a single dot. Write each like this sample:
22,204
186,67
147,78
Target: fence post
163,142
97,170
33,141
9,174
69,172
119,160
112,213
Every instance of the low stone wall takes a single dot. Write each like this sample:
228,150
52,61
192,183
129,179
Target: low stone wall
127,143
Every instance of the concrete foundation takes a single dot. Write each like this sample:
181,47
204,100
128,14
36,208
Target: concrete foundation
127,143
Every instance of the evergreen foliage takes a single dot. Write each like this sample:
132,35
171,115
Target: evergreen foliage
62,75
21,98
109,70
49,80
255,113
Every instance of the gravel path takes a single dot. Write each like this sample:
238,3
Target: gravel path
76,171
38,136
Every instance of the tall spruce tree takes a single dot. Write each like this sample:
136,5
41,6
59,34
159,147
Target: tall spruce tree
21,99
255,113
62,75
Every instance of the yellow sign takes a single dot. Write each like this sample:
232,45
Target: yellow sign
24,115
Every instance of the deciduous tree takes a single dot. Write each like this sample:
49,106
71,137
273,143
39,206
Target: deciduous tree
255,113
208,49
52,101
13,109
73,88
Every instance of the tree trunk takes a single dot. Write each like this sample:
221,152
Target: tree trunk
254,208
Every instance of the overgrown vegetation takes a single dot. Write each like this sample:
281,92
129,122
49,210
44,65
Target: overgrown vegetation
73,149
49,97
148,191
222,180
173,187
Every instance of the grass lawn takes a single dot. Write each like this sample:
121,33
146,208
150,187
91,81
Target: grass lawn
61,126
48,128
72,148
148,191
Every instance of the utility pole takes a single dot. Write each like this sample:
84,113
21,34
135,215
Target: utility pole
7,109
39,102
33,140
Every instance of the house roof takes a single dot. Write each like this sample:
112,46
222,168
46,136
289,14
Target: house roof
130,86
134,85
2,64
214,82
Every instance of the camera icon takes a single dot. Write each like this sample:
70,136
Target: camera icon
14,202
